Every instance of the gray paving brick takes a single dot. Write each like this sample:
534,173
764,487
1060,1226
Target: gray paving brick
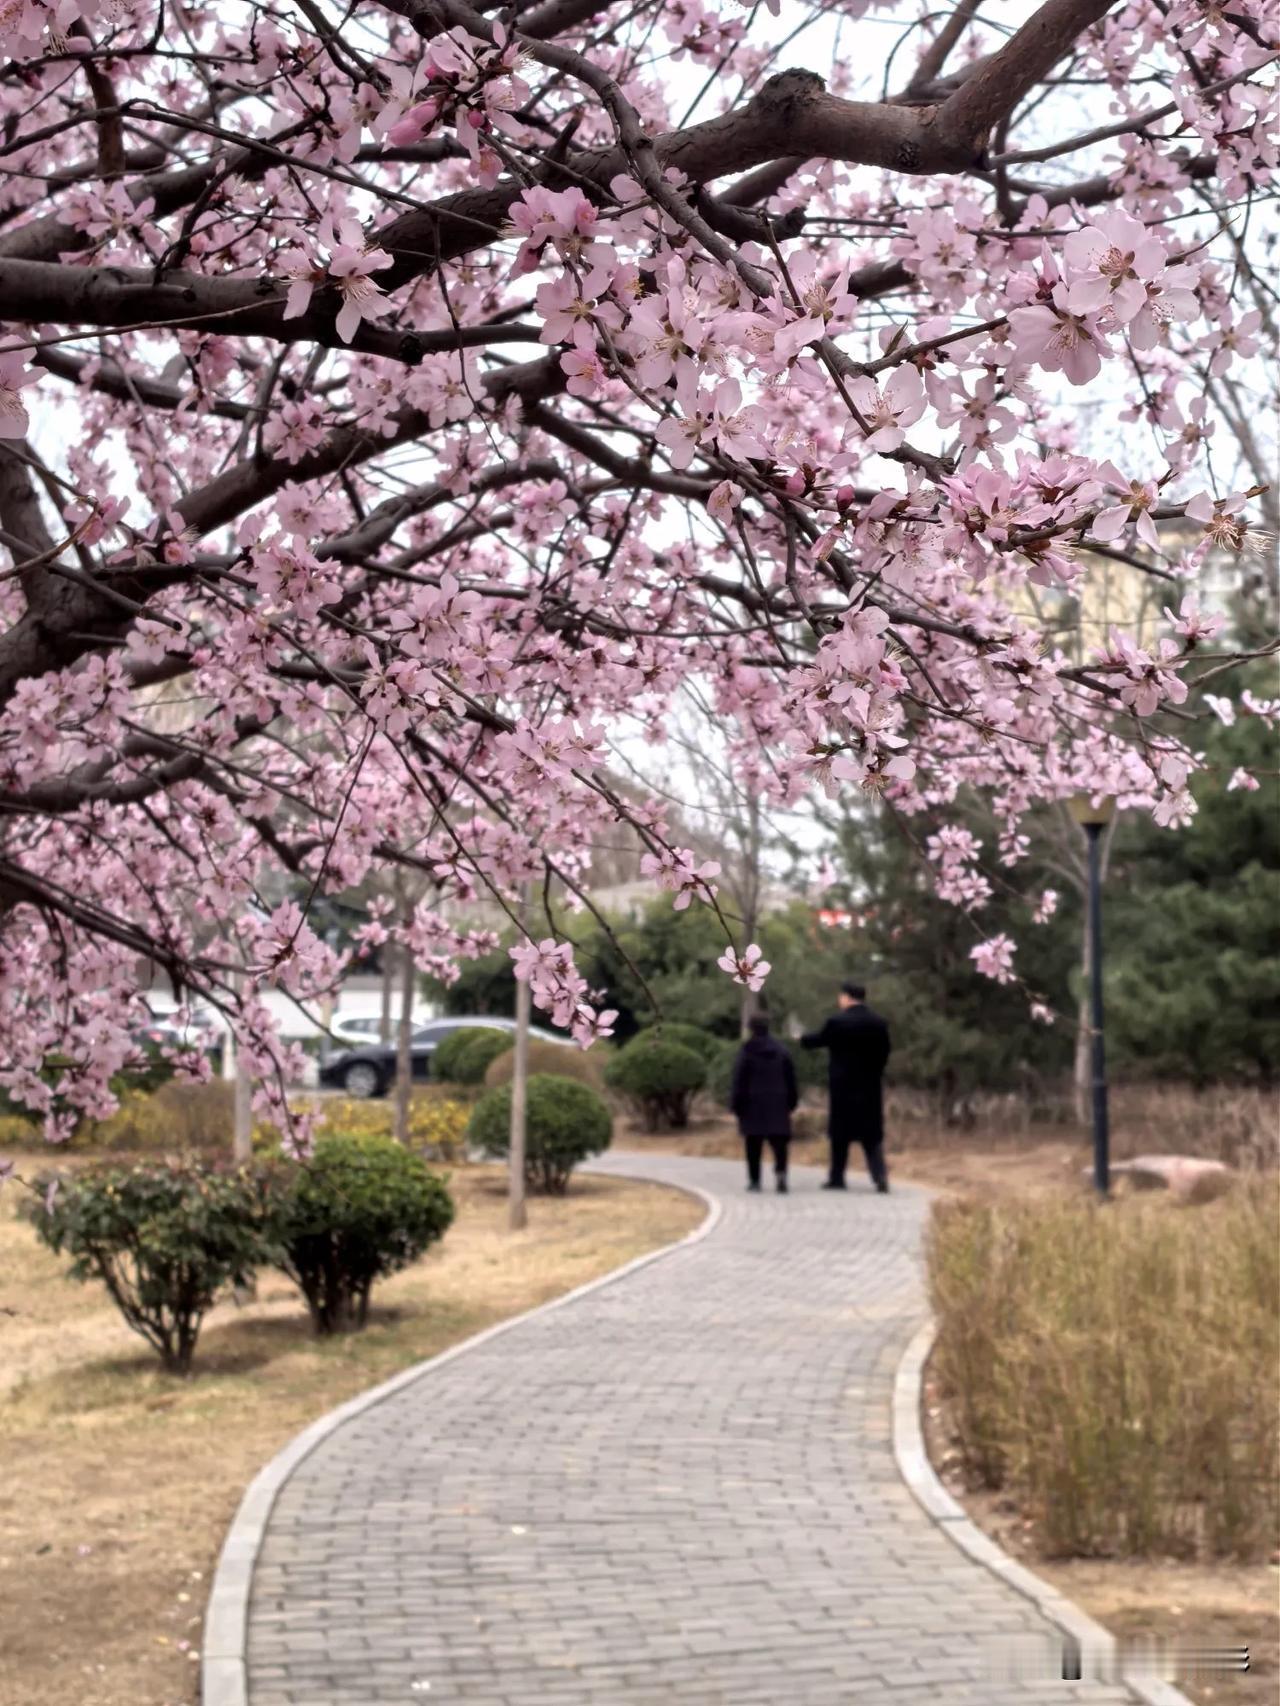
677,1491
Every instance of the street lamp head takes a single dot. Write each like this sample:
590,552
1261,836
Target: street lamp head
1092,811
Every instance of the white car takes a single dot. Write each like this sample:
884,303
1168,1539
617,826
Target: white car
201,1030
346,1028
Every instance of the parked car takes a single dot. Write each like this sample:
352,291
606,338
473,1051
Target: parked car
356,1032
201,1031
369,1068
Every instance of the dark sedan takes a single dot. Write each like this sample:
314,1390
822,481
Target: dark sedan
370,1069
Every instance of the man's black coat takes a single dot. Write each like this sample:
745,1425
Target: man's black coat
764,1088
858,1040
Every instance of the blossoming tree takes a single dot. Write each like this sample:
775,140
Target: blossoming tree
399,400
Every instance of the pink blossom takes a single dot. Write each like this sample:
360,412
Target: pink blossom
349,265
675,870
1057,339
415,124
1111,263
994,958
1175,809
1147,678
1191,622
1046,906
748,968
14,376
1138,498
889,412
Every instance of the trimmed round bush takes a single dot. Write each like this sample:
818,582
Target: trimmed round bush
552,1060
163,1237
703,1043
659,1078
464,1055
565,1122
358,1209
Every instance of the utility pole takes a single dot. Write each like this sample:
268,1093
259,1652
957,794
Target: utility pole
242,1139
233,1072
241,1128
517,1214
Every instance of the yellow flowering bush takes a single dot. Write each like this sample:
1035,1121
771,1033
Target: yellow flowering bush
181,1117
437,1124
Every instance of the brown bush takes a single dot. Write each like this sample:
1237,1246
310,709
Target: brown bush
179,1116
1115,1367
553,1060
1235,1124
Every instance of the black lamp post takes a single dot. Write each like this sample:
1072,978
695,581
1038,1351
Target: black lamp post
1093,812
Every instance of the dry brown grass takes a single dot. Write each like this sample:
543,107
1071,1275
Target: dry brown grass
1116,1368
1114,1373
120,1481
1232,1123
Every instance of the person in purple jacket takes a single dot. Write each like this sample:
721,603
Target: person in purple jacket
763,1095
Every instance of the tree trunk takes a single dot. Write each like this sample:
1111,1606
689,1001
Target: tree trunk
242,1137
517,1213
1081,1074
244,1291
388,962
404,1058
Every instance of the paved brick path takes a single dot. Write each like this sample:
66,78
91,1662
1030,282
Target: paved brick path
678,1491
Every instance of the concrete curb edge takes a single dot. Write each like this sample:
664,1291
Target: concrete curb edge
223,1651
917,1471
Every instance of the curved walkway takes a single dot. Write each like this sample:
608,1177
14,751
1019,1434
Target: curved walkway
679,1490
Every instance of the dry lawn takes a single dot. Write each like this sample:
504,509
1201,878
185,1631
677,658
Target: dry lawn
120,1480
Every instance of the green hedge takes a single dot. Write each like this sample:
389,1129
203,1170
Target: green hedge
553,1060
565,1122
464,1055
358,1209
703,1043
659,1078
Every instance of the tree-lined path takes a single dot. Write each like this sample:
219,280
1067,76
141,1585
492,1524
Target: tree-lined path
679,1490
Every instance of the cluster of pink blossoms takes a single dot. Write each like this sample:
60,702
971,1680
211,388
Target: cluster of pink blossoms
429,410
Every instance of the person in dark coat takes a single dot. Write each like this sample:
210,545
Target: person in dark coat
763,1095
858,1045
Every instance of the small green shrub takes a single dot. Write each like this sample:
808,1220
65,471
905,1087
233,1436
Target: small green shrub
163,1238
659,1078
703,1043
565,1122
358,1209
464,1055
552,1060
